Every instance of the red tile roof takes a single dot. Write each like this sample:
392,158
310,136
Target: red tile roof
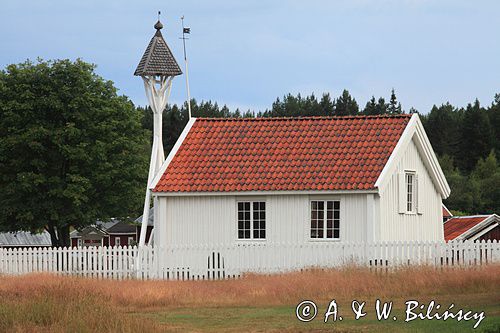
458,225
283,154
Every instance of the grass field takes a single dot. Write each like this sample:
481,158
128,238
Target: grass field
46,303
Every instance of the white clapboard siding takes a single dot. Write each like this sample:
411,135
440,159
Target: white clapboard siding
223,261
211,220
395,223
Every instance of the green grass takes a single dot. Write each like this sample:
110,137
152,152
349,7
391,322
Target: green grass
282,318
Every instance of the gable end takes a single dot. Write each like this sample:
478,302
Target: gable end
415,131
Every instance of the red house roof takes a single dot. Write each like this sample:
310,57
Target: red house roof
283,154
456,226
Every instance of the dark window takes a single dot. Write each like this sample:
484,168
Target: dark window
325,219
251,220
410,192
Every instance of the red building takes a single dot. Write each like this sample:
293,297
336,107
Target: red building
479,227
113,233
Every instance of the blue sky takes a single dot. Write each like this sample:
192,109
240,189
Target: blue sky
247,53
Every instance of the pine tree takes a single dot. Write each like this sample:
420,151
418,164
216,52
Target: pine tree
476,136
394,106
249,114
381,106
346,105
371,107
310,106
225,112
236,114
494,116
326,105
442,126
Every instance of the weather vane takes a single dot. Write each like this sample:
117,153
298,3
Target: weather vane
186,31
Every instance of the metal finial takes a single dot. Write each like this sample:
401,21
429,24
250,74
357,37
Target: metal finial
158,25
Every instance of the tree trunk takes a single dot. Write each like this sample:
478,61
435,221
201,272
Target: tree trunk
59,237
63,235
51,229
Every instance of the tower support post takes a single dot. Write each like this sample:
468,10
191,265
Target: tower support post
158,91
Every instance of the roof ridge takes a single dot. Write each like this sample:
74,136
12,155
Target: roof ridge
470,216
405,115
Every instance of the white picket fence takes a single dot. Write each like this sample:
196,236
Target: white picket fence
231,261
100,262
220,262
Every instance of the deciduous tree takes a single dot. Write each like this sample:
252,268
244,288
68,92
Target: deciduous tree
71,149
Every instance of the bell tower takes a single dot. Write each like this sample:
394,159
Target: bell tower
157,69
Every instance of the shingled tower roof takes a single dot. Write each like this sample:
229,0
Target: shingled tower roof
158,59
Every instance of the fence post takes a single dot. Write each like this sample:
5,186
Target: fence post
2,261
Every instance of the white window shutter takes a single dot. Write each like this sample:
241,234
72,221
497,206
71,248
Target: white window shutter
419,195
402,193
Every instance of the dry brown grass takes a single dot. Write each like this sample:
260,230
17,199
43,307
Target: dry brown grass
50,303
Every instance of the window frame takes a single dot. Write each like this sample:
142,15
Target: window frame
130,240
252,220
325,220
118,241
413,194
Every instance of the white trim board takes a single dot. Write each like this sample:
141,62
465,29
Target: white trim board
172,153
467,217
403,141
415,131
424,145
485,231
121,233
446,208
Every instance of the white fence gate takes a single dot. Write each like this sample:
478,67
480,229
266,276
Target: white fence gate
230,261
